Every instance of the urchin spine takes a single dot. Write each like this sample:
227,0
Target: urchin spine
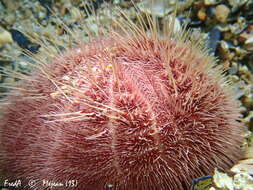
129,110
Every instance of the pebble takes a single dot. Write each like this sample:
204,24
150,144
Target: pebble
214,39
239,93
249,44
240,52
12,4
221,13
245,74
23,41
242,166
233,2
157,8
202,14
224,50
241,180
233,68
5,37
222,180
10,18
248,120
247,101
161,8
237,3
248,33
210,2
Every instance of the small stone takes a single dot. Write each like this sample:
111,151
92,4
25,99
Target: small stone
224,51
249,41
245,74
240,52
236,3
158,8
234,78
233,68
214,37
248,187
248,33
5,37
12,4
249,44
222,180
221,13
241,180
243,166
247,101
161,8
10,18
210,2
202,14
233,2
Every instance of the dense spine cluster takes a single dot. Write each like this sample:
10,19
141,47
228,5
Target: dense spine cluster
129,111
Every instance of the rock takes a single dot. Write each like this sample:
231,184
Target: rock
12,4
237,3
210,2
23,41
221,13
249,44
214,39
160,8
247,101
222,180
202,14
247,33
10,18
249,41
157,8
243,165
233,68
5,37
241,180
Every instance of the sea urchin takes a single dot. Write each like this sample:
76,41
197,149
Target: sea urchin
129,110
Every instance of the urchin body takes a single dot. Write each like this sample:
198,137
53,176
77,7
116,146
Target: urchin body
125,112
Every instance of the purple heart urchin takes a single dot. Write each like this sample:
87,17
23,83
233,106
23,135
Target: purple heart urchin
129,110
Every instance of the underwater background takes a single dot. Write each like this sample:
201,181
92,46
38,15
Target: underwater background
226,26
